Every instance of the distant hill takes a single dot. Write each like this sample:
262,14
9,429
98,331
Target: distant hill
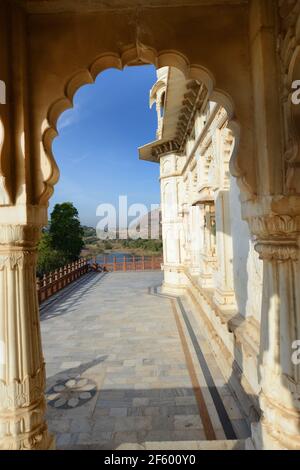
143,227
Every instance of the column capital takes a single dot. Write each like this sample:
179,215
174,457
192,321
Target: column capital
275,227
277,250
25,236
276,236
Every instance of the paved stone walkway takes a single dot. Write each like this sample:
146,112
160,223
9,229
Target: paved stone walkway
129,368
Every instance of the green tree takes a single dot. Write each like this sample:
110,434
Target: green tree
65,231
108,245
48,259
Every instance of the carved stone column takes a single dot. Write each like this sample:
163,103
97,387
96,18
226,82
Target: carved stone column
208,256
224,294
22,368
277,245
196,240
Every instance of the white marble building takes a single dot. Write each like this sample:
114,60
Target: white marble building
208,250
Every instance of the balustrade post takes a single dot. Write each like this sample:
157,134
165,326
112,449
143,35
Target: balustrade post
38,288
68,273
60,275
56,280
50,283
64,275
45,286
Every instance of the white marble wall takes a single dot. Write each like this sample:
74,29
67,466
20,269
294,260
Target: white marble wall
247,268
232,269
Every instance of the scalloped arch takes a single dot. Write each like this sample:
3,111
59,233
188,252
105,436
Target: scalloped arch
139,54
155,90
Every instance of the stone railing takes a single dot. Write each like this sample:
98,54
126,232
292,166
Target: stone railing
51,283
134,263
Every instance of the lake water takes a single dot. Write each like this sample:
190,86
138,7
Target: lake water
109,257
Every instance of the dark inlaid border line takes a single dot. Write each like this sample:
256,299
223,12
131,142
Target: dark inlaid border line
219,405
221,410
203,411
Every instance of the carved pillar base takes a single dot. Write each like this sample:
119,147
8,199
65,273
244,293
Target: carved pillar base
224,299
206,278
174,280
22,368
279,427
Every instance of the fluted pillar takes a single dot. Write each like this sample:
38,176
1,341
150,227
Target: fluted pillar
22,367
279,373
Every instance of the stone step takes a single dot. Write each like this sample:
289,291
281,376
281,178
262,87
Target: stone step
186,445
161,445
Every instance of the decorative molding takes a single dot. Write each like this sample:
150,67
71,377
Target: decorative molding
279,251
38,439
194,100
275,227
162,149
276,236
19,235
18,259
22,393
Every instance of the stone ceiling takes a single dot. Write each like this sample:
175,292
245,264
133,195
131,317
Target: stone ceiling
57,6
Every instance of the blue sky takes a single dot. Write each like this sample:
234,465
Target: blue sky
96,149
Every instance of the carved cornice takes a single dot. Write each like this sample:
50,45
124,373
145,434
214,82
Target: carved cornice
193,102
160,150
